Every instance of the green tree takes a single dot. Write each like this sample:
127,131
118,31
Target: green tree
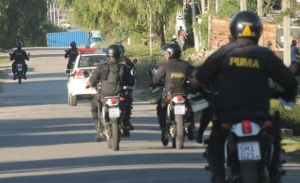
24,21
129,15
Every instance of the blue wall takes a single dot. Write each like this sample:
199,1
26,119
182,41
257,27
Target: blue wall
63,39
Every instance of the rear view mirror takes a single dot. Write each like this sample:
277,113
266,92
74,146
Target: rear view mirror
134,61
150,73
68,71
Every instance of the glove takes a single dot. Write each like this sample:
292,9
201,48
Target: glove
151,84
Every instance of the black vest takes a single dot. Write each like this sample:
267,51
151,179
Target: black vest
111,78
175,80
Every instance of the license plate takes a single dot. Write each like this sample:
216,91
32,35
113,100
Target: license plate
179,109
19,68
249,151
113,112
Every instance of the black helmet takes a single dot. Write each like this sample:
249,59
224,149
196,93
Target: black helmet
173,50
19,44
114,51
122,48
73,44
246,24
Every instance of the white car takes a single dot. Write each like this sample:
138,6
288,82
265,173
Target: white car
64,24
84,66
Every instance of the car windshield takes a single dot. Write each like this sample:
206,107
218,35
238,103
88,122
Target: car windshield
91,60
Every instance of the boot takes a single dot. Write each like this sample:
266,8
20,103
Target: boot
164,137
131,127
15,77
190,133
99,131
24,76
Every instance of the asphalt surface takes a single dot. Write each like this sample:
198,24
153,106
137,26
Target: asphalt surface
42,139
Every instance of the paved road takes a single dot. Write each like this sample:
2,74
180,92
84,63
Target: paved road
42,139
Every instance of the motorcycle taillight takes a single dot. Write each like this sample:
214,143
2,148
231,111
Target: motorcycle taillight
246,125
113,101
179,98
79,74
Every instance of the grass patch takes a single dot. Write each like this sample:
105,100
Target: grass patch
291,145
3,63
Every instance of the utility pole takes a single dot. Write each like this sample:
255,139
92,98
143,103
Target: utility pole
150,26
202,7
286,34
217,5
196,37
50,11
260,14
243,5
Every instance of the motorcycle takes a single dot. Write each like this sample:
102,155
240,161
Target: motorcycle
249,146
19,70
178,115
112,113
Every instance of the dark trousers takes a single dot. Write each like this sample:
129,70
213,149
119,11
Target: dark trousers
14,65
70,64
206,117
215,150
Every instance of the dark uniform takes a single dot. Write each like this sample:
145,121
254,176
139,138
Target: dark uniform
125,60
113,76
244,69
173,72
72,53
19,56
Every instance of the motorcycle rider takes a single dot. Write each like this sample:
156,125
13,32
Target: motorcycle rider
72,54
112,75
243,69
19,55
125,60
173,72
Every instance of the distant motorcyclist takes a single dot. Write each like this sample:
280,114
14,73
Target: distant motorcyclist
19,55
173,72
112,75
72,54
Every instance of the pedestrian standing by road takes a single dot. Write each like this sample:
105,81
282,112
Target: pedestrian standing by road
295,56
182,37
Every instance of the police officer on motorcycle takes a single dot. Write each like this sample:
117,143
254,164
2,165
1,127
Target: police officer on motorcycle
125,60
243,69
173,73
113,76
19,55
72,54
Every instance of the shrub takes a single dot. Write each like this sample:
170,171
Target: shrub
289,118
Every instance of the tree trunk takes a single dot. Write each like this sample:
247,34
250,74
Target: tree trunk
160,29
195,31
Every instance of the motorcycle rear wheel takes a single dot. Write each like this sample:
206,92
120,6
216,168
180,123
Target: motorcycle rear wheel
115,134
249,172
20,75
179,139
